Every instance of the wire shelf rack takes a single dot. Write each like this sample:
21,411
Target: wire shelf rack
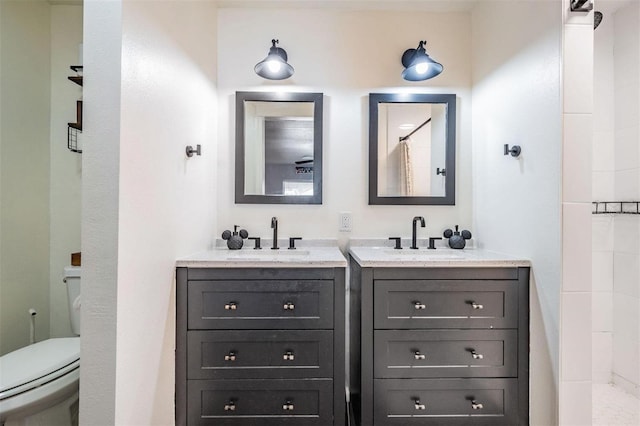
616,207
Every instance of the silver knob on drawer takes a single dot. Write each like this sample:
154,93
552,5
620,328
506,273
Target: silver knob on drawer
476,405
231,306
288,406
419,306
288,356
418,405
230,406
230,357
476,355
417,355
475,305
288,306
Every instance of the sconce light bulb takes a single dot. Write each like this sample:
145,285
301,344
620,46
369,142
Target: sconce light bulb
274,66
422,67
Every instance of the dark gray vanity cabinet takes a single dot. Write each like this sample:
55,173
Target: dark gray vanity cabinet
439,346
260,346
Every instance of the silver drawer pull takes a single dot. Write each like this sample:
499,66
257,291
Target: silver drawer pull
288,406
417,355
475,305
476,405
288,356
231,306
230,406
419,406
418,306
476,355
288,306
230,357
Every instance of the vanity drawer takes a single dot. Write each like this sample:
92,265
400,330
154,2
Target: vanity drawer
260,354
408,304
272,304
260,402
445,353
445,402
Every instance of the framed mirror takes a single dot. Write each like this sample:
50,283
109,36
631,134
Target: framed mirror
412,149
278,148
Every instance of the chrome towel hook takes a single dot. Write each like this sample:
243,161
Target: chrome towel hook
514,151
190,151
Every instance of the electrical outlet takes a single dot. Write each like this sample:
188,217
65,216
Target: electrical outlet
345,222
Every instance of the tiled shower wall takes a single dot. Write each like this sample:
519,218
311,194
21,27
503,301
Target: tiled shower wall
626,249
602,190
616,177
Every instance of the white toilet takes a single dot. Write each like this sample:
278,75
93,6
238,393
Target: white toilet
39,383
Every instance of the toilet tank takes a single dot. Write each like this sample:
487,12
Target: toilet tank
72,279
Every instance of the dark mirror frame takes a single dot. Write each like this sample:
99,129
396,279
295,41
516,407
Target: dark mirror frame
449,199
316,98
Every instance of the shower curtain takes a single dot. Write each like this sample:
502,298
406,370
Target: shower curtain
406,174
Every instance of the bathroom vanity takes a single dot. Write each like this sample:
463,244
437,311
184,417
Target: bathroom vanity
438,337
260,337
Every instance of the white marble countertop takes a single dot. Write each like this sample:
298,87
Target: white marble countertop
368,256
308,254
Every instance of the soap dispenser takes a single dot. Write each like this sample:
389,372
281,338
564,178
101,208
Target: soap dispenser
235,239
457,240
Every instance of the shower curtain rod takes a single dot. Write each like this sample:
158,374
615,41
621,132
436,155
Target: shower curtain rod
404,138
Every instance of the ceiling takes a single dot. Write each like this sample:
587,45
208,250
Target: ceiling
422,5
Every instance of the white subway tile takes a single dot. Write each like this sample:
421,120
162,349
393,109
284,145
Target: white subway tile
626,185
576,247
602,186
575,403
626,234
627,103
602,233
626,142
603,150
602,311
576,167
602,271
578,69
602,356
575,345
626,347
626,273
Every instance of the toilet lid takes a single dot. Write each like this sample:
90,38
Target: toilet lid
33,362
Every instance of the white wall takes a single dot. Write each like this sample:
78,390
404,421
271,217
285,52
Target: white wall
516,101
346,54
65,166
24,170
100,202
144,203
626,256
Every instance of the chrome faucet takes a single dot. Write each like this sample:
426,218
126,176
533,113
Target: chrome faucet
274,225
413,234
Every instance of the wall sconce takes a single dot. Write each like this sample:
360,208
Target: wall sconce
274,66
418,65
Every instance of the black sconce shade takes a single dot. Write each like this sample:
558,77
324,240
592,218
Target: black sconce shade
274,66
418,65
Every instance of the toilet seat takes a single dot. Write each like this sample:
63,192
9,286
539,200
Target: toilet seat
36,365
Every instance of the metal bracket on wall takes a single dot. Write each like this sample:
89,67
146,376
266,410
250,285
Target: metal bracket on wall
581,5
616,207
514,151
190,151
